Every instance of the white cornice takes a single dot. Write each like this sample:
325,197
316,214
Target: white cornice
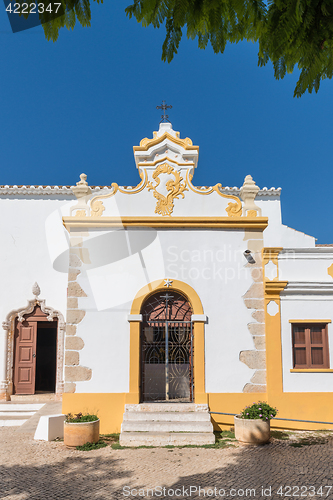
67,190
308,288
306,253
269,192
262,193
44,190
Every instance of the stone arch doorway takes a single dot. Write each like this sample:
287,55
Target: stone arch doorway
166,348
35,354
34,350
198,329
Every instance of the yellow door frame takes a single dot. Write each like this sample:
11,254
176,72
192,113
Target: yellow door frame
200,396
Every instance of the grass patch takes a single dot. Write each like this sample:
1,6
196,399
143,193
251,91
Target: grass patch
110,438
308,441
105,440
92,446
116,446
224,434
223,439
280,435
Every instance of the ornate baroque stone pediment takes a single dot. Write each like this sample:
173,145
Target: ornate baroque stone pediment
166,165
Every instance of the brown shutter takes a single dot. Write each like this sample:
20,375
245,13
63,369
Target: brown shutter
310,346
319,350
299,343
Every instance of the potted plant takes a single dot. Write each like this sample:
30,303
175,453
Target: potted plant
80,429
252,426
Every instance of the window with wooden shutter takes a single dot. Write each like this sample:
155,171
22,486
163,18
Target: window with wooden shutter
310,345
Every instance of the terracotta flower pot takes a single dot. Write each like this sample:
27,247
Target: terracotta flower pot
252,431
80,433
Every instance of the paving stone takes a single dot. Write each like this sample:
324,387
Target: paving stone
40,470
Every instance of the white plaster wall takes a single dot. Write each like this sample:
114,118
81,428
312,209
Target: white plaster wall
106,351
24,254
305,307
212,262
292,238
277,234
306,265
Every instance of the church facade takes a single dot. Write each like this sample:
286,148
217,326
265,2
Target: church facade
164,292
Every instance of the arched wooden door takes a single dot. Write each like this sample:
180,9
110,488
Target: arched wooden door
166,349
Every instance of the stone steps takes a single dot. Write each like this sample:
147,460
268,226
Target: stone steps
166,438
14,415
163,424
166,426
166,407
33,398
165,417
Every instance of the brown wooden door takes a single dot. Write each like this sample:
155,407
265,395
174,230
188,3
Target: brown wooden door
25,357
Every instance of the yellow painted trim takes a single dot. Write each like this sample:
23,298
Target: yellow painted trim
310,321
330,270
233,209
302,406
200,396
109,407
271,254
133,397
311,370
230,403
274,288
96,205
176,188
139,187
159,285
255,223
146,143
190,294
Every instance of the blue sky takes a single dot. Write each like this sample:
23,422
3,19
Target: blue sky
80,104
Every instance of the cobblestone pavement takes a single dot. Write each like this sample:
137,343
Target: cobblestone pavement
41,470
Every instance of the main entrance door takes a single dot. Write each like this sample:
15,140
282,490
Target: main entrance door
166,349
35,354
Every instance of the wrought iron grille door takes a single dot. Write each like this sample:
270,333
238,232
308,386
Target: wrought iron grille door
166,349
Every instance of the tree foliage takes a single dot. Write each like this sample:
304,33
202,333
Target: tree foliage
74,10
290,32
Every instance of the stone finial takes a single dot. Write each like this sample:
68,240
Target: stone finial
83,180
248,192
36,290
82,188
